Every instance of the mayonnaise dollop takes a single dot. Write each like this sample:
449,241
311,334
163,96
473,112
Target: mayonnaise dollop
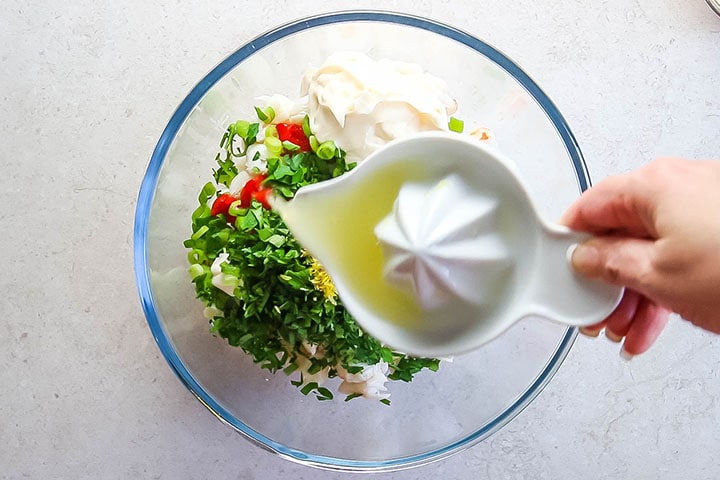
362,103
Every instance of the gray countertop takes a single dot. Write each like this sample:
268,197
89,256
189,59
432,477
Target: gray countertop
85,91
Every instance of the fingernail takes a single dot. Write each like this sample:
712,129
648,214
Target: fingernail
612,336
625,355
585,257
591,332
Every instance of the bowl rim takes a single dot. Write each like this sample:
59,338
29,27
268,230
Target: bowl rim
147,193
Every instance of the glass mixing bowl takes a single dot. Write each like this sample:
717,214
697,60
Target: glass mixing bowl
436,415
715,5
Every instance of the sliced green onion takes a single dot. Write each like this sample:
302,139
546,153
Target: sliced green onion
203,211
274,146
289,146
260,114
267,115
227,280
270,112
235,209
314,144
271,131
326,150
196,270
242,127
456,125
196,256
306,126
207,191
200,232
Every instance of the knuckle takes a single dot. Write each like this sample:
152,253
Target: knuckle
613,271
671,258
644,276
628,269
612,274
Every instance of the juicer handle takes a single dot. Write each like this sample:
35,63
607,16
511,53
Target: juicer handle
558,292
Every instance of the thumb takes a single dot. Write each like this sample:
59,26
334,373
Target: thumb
620,261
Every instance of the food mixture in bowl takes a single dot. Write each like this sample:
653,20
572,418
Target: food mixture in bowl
262,291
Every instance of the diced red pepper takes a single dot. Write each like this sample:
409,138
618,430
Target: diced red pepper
292,132
221,205
254,189
262,196
248,191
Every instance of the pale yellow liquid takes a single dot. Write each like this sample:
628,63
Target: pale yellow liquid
336,225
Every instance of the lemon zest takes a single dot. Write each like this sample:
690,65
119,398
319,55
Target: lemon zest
321,280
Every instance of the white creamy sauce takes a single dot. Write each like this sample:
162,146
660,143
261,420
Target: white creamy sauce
362,103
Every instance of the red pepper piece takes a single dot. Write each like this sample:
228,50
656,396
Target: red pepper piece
262,196
292,132
221,205
254,189
248,191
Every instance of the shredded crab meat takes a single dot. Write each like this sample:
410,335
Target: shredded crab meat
370,382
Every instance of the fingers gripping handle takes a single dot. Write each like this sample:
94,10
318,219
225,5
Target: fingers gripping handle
561,294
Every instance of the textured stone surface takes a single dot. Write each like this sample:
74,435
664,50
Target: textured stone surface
85,91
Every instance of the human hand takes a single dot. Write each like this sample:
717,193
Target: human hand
657,232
